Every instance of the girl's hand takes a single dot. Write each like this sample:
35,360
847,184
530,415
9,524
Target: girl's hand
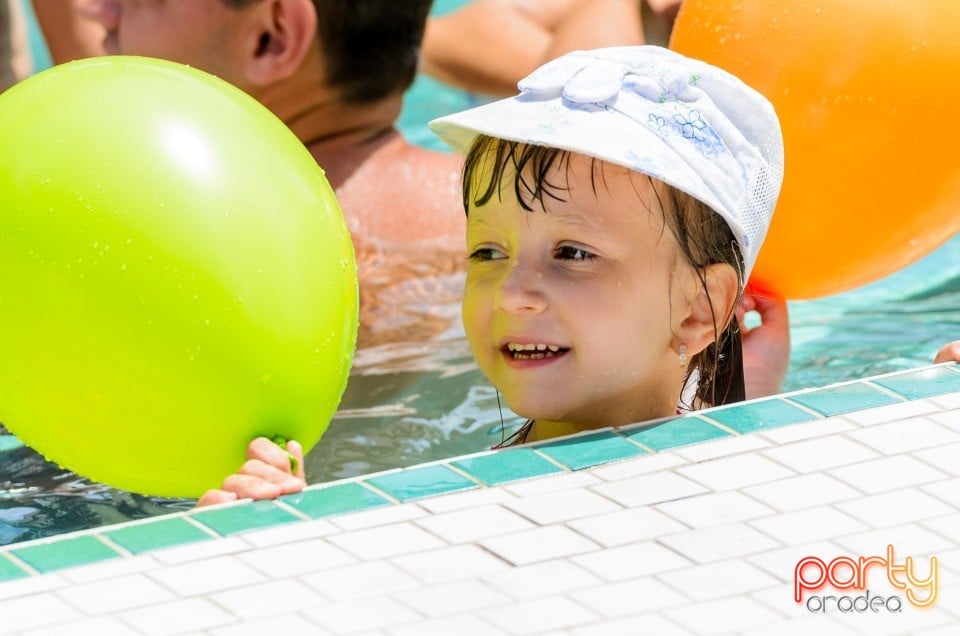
766,347
950,352
270,471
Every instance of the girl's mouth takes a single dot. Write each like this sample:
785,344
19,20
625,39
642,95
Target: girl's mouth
532,351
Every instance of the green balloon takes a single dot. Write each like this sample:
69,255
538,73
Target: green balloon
176,276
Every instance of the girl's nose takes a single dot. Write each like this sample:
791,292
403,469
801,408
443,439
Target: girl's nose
106,12
522,290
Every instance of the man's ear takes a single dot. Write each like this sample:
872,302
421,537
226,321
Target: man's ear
710,307
283,33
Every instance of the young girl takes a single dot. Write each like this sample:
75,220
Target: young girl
614,210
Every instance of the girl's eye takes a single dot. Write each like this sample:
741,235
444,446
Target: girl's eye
486,254
572,253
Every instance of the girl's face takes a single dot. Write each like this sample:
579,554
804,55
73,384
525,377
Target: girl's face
571,312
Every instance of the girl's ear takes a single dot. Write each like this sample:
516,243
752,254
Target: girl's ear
708,311
282,33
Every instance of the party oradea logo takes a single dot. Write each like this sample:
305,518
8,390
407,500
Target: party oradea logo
813,579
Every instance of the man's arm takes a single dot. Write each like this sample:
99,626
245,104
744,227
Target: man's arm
69,35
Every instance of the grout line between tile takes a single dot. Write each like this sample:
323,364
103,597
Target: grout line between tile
724,427
462,472
803,407
296,513
890,392
23,565
556,463
381,493
120,550
208,530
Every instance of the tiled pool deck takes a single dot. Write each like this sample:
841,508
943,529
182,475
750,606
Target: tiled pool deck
694,526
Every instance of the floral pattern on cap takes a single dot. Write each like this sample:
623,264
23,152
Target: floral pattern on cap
679,120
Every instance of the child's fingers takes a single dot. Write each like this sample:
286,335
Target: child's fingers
251,487
268,452
216,496
282,478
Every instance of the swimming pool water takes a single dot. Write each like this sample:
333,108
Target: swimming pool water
412,402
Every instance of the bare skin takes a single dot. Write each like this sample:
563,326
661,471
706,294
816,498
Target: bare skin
950,352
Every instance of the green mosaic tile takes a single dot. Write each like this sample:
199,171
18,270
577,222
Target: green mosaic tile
10,570
922,383
160,533
843,399
416,483
9,442
245,517
334,500
65,553
585,451
507,465
759,416
677,432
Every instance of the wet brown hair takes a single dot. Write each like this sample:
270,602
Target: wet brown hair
702,234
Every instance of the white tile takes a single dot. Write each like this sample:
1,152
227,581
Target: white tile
451,598
782,562
950,419
616,600
894,508
285,624
537,616
889,473
798,624
201,550
538,544
627,526
113,595
314,555
34,611
779,598
648,489
808,526
450,564
722,447
643,465
822,453
909,539
386,541
466,500
948,526
804,491
449,626
950,560
110,569
718,580
905,435
378,516
891,412
714,509
542,579
360,581
463,526
723,616
268,599
704,545
806,430
565,505
947,400
631,561
290,532
99,625
203,577
730,473
176,617
947,490
553,483
31,585
643,624
946,458
909,621
366,614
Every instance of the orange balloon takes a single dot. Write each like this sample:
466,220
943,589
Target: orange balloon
867,94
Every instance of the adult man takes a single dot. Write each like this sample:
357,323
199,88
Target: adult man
335,72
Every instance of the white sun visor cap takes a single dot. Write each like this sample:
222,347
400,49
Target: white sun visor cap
682,121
